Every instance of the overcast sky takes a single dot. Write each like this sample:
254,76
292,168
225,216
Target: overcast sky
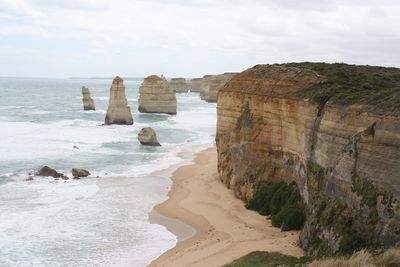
64,38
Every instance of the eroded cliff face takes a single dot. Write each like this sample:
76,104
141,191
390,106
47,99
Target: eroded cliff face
211,84
345,159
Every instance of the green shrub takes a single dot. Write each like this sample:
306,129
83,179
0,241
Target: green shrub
283,202
289,218
350,242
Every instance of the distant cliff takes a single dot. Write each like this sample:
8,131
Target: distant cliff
211,84
334,129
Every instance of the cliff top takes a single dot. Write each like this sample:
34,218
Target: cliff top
344,84
152,78
178,80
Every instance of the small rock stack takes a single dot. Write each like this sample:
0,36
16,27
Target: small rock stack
88,103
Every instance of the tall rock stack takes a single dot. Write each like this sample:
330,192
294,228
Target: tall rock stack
211,84
195,85
156,96
118,111
88,103
179,85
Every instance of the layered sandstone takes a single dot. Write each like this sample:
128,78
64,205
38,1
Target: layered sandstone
118,111
345,159
211,84
195,85
179,85
156,96
88,103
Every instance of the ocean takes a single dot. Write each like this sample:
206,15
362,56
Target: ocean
101,220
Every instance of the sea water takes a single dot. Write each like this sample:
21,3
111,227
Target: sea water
101,220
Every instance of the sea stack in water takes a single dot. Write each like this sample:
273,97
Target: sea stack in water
179,85
118,111
88,103
195,84
147,136
156,96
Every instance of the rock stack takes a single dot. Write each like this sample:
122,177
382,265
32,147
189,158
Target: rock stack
118,111
179,85
211,84
147,136
88,103
156,96
195,85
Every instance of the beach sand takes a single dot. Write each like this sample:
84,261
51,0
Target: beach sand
219,228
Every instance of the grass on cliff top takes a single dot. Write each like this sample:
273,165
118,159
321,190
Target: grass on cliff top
347,84
267,259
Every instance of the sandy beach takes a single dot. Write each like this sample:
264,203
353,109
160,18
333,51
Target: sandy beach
218,227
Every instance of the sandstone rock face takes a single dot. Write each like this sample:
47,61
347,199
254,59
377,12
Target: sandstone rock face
47,171
179,85
78,173
147,136
345,160
195,85
211,84
88,103
156,96
118,111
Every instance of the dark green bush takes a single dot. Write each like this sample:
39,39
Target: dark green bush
283,202
350,242
289,218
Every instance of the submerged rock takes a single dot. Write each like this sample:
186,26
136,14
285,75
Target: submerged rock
78,173
147,136
118,111
88,103
156,96
47,171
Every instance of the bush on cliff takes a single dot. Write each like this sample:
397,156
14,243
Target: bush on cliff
348,84
281,201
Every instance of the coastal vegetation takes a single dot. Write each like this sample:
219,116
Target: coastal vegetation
389,258
282,202
347,84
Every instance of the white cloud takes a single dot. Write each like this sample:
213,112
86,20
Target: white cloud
178,35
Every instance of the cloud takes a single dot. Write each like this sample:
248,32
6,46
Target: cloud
227,35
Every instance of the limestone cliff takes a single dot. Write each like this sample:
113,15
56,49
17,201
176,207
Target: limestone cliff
344,156
88,103
211,84
195,85
179,85
156,96
118,111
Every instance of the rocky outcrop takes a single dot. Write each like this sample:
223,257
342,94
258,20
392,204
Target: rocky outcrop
147,136
78,173
156,96
195,85
88,103
47,171
179,85
345,159
211,84
118,111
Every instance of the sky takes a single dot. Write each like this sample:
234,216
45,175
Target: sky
191,38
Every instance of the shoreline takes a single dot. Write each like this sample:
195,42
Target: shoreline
222,228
